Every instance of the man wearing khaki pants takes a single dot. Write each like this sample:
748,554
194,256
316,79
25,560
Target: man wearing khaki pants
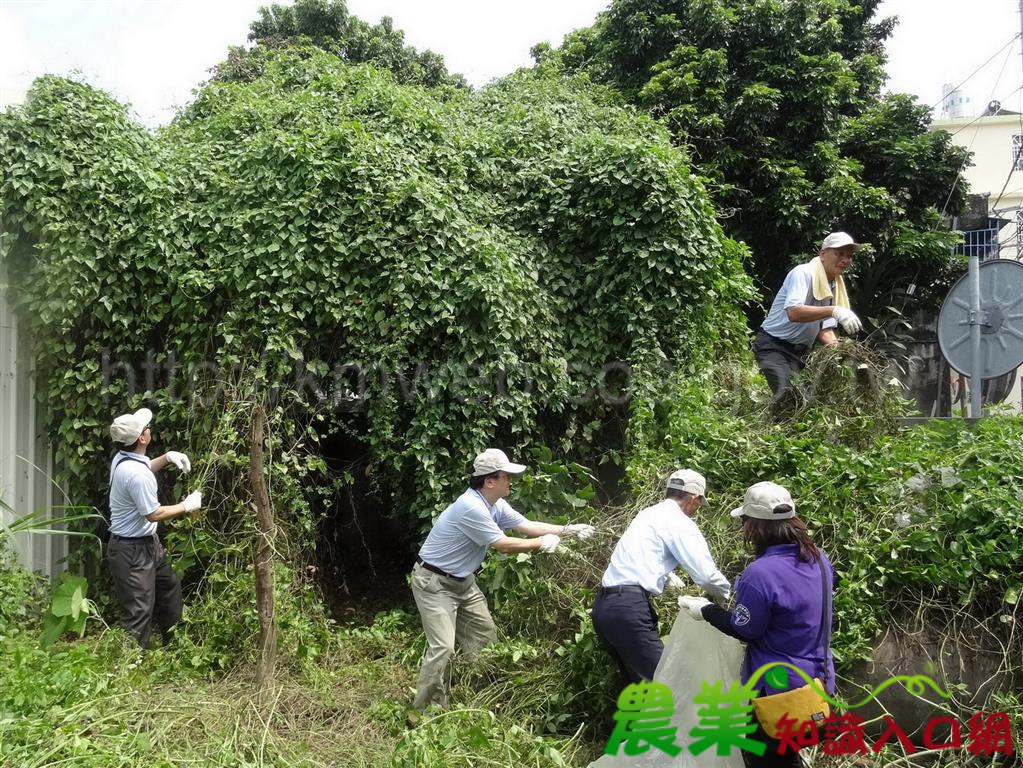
453,609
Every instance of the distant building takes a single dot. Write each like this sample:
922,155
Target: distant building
954,103
992,226
996,141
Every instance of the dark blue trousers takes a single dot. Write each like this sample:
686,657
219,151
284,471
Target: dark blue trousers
627,626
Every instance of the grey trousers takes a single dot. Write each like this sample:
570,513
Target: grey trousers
453,612
148,590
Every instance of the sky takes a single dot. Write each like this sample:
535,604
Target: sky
951,41
152,53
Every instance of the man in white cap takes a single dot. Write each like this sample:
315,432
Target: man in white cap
148,590
452,607
812,301
658,540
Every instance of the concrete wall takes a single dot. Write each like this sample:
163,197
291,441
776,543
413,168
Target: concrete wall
26,462
990,141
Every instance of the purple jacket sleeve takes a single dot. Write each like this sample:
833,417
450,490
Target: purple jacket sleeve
751,616
752,613
720,619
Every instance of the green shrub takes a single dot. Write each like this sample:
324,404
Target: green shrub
480,258
465,738
21,592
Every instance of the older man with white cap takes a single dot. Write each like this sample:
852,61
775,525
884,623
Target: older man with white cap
148,590
659,539
452,607
812,301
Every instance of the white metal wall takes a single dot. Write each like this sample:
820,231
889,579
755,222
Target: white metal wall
26,462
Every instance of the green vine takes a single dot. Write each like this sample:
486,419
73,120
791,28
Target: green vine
414,273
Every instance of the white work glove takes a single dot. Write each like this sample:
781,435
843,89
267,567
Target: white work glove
549,542
847,319
192,501
579,530
693,605
179,460
674,582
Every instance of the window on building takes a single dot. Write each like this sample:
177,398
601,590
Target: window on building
1017,152
1019,226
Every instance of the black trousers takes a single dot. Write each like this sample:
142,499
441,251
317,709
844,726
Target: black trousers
779,360
627,626
771,758
148,590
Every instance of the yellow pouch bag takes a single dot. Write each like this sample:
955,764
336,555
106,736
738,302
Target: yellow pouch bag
800,704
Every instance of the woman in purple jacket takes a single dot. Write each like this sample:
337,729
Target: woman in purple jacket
782,603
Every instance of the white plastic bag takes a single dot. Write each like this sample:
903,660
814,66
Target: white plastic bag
694,652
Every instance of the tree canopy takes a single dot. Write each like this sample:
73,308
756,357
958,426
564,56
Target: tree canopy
328,25
780,105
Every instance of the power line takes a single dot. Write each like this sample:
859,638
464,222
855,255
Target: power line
1013,165
977,70
962,166
962,128
1015,159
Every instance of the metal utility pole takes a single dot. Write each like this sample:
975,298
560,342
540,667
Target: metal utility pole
977,365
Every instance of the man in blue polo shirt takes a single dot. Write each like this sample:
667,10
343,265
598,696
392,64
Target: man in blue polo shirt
811,303
658,540
453,609
147,588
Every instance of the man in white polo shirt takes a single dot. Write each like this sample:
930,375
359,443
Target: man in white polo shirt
658,540
147,588
453,609
811,303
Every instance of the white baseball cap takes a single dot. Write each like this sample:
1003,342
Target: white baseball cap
839,240
689,481
762,499
495,460
128,427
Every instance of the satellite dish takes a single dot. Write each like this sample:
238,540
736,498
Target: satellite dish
1001,320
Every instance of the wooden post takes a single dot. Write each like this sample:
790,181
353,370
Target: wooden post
264,552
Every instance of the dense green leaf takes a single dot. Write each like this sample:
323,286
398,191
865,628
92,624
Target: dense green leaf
67,599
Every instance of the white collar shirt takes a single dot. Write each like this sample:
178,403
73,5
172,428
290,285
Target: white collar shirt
659,539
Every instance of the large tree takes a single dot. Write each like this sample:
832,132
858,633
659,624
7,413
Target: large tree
327,24
779,104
